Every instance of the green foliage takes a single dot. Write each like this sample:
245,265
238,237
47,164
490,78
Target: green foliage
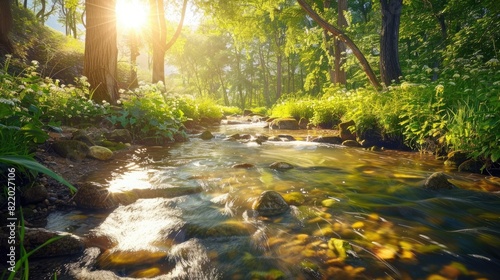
231,110
28,105
148,112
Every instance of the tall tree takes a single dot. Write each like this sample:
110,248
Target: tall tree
159,37
390,69
100,49
44,12
5,27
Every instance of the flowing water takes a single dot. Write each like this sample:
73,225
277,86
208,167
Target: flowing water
356,214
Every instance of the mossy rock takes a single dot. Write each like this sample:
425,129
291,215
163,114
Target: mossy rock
113,146
345,133
72,149
81,135
100,153
285,123
294,198
280,165
66,245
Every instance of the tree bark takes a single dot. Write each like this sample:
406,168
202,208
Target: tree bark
5,28
100,50
344,38
390,69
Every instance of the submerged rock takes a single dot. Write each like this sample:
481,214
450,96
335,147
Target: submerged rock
93,195
243,165
270,203
206,135
72,149
280,165
294,198
100,153
438,181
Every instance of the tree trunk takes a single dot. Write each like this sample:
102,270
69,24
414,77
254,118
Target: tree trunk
159,33
265,77
344,38
340,54
5,28
390,70
100,50
279,75
134,53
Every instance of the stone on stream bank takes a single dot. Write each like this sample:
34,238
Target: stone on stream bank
93,195
65,244
100,153
284,123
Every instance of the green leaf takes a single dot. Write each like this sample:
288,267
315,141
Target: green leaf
31,164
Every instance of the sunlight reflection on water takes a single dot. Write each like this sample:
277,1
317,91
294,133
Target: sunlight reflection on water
371,200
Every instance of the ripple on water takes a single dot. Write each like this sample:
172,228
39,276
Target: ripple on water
360,214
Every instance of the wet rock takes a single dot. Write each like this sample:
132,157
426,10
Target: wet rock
345,133
81,135
270,203
165,192
100,153
93,195
456,158
284,123
471,165
280,165
72,149
243,165
206,135
67,244
351,143
247,112
438,181
34,194
303,123
286,137
119,135
328,140
261,138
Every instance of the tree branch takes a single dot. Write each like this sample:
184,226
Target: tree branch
344,38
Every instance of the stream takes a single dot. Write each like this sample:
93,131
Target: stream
356,214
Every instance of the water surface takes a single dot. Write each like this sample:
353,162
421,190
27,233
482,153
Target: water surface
356,215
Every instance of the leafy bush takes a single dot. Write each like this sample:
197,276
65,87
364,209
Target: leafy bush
149,113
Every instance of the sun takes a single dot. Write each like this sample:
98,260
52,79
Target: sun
131,14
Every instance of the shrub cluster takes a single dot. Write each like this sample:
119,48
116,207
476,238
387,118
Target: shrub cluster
458,111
